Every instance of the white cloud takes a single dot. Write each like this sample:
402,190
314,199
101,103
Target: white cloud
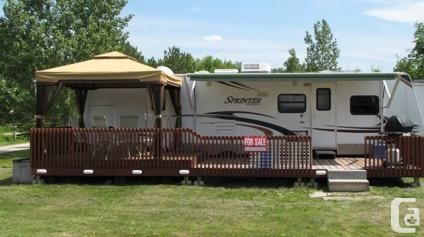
213,38
403,11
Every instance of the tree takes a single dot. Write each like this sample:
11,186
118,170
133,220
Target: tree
375,68
41,34
413,64
152,62
292,64
210,63
321,51
133,51
178,61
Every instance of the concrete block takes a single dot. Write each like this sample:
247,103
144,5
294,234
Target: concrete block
347,174
348,185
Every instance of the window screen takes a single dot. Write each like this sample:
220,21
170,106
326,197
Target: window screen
291,103
364,105
323,99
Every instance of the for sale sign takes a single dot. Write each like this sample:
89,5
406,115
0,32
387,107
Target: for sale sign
255,143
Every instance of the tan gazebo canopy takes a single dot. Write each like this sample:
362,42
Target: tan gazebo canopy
113,66
109,70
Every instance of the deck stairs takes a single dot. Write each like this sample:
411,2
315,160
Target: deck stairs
347,181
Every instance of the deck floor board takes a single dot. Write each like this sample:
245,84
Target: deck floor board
340,163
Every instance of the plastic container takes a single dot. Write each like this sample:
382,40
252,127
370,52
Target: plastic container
21,171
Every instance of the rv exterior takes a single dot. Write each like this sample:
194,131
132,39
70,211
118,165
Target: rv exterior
126,108
336,109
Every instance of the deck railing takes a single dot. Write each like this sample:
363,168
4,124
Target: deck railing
401,156
163,152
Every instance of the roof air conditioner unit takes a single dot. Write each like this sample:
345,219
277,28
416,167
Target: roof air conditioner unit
233,70
202,72
256,67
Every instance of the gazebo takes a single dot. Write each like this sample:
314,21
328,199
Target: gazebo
109,70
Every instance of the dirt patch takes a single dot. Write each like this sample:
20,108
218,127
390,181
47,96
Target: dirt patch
344,196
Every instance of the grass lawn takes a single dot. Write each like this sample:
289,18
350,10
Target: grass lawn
9,140
6,137
243,207
6,159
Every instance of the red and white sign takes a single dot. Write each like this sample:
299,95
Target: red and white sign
255,143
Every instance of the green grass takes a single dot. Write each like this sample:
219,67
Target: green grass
242,207
10,139
6,159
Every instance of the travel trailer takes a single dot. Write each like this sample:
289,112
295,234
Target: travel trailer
336,109
249,124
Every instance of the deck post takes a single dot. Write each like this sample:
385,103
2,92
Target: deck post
37,180
298,182
186,180
199,181
416,182
313,183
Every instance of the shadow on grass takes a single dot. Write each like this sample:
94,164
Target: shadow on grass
391,182
226,182
6,181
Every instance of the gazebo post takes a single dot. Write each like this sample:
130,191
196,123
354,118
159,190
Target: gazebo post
45,96
175,93
81,99
157,95
176,102
41,99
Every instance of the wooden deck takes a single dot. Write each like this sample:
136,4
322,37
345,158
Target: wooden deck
118,152
340,163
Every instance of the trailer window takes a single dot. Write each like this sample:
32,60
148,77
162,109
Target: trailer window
291,103
364,105
323,99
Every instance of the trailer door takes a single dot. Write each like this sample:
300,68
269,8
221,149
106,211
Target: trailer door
323,111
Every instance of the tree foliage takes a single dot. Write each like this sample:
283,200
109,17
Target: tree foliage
209,63
152,62
46,33
322,51
292,64
177,60
413,64
183,62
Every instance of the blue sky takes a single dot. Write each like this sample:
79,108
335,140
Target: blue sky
369,32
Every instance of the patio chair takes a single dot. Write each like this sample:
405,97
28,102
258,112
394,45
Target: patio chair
100,122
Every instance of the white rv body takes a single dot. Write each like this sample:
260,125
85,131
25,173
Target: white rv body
227,109
244,107
120,103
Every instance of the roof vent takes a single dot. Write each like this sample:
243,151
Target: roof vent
256,67
166,70
233,70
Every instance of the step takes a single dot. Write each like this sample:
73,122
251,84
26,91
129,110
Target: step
347,174
348,185
325,154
